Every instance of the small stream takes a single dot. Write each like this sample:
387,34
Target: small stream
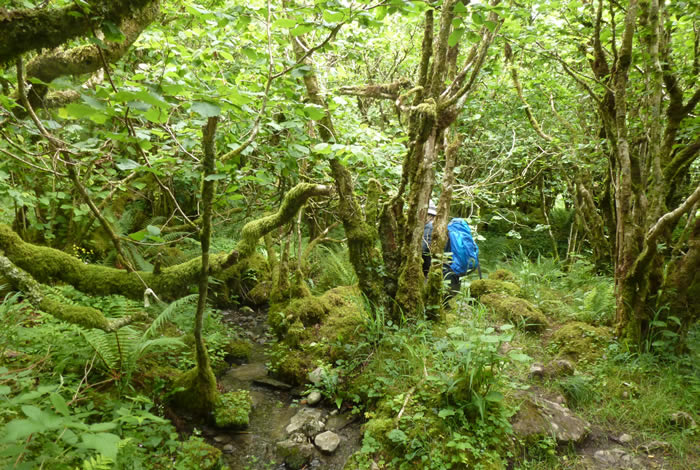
274,405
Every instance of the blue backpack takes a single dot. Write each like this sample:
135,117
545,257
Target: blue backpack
465,253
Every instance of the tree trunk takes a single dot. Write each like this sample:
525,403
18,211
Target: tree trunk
200,394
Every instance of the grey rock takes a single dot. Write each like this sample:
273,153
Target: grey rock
327,441
296,455
316,375
682,420
339,421
314,398
625,438
616,458
272,383
538,416
246,310
559,368
222,439
307,421
248,372
536,371
228,449
655,446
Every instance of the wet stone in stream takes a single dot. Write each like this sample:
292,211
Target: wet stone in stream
266,444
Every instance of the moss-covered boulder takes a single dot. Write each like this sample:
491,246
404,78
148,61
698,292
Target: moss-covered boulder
502,275
232,409
482,287
260,294
539,418
197,454
293,366
516,310
237,350
311,329
307,310
580,341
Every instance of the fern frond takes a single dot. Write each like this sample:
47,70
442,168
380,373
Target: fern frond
158,342
103,346
168,313
156,220
137,258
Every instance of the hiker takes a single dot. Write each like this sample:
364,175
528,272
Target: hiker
464,260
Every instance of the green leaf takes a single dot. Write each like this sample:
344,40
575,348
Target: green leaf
491,25
314,111
490,338
59,404
494,397
284,23
301,29
460,8
445,412
397,435
153,230
112,32
156,115
138,236
81,110
333,16
5,390
455,37
100,427
520,357
477,18
322,148
205,109
105,443
127,164
19,429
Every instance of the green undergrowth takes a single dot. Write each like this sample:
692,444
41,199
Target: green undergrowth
435,395
72,398
617,390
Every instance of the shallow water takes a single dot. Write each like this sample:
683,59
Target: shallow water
255,447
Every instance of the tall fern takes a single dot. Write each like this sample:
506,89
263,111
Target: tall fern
120,351
337,269
169,313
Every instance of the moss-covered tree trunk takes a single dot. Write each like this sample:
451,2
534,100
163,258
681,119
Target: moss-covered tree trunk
645,178
435,292
364,257
200,394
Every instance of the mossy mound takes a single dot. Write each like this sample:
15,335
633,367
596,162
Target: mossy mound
517,311
232,409
260,294
311,329
196,453
422,424
308,311
294,367
198,394
502,275
237,350
337,311
482,287
580,341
